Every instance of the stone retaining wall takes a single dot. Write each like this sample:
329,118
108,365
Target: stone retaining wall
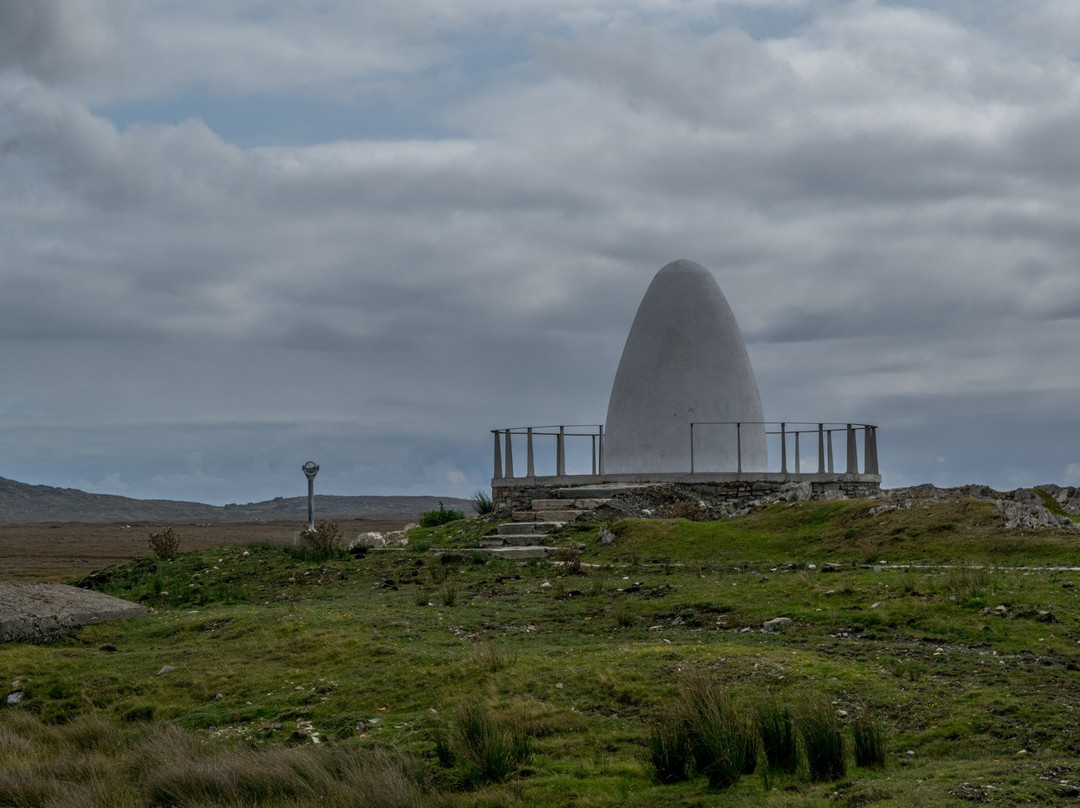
735,493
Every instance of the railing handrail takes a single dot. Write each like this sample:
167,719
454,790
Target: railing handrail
522,430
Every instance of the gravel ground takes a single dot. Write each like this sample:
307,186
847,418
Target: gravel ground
41,613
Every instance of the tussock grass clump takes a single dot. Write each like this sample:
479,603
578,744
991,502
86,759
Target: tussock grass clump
717,732
92,763
779,736
824,741
667,748
481,502
623,614
492,657
482,747
448,593
870,741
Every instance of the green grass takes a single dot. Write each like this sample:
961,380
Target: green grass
272,649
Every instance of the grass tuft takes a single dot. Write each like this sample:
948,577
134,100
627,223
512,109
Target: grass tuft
823,740
667,747
717,734
779,736
484,748
870,741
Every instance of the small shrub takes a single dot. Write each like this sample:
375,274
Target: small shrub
823,740
165,543
869,741
440,517
325,538
779,738
667,746
482,503
570,559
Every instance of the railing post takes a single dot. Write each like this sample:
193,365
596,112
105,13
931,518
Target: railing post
530,469
560,452
798,462
828,432
738,446
870,449
593,455
601,430
497,474
691,447
852,452
509,456
783,448
821,448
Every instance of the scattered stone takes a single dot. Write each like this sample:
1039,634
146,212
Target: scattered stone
1001,610
776,624
14,698
165,669
379,541
606,536
219,697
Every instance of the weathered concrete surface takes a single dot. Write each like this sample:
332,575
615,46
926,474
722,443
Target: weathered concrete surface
41,613
684,362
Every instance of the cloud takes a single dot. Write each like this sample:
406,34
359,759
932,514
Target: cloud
884,192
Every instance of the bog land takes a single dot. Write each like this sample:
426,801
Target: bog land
928,651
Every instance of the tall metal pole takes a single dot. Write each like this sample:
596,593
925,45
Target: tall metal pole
310,469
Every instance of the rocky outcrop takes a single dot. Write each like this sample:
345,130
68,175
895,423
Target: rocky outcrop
1022,508
41,613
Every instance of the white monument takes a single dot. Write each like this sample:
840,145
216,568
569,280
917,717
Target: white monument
684,363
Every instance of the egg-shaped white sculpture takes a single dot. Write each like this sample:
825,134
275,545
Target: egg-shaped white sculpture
684,362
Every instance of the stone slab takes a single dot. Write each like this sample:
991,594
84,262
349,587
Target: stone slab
41,613
536,551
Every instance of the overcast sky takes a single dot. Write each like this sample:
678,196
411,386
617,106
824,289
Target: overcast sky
235,235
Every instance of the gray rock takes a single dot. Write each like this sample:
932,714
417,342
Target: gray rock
41,613
776,624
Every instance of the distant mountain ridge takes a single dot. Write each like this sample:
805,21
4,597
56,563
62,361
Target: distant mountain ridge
23,502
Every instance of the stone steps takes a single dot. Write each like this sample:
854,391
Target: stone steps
525,535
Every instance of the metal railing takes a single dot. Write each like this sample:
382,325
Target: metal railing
504,447
793,431
789,434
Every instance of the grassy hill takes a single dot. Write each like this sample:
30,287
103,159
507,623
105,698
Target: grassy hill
21,502
436,675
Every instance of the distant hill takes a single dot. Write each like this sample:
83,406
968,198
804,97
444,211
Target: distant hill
21,502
